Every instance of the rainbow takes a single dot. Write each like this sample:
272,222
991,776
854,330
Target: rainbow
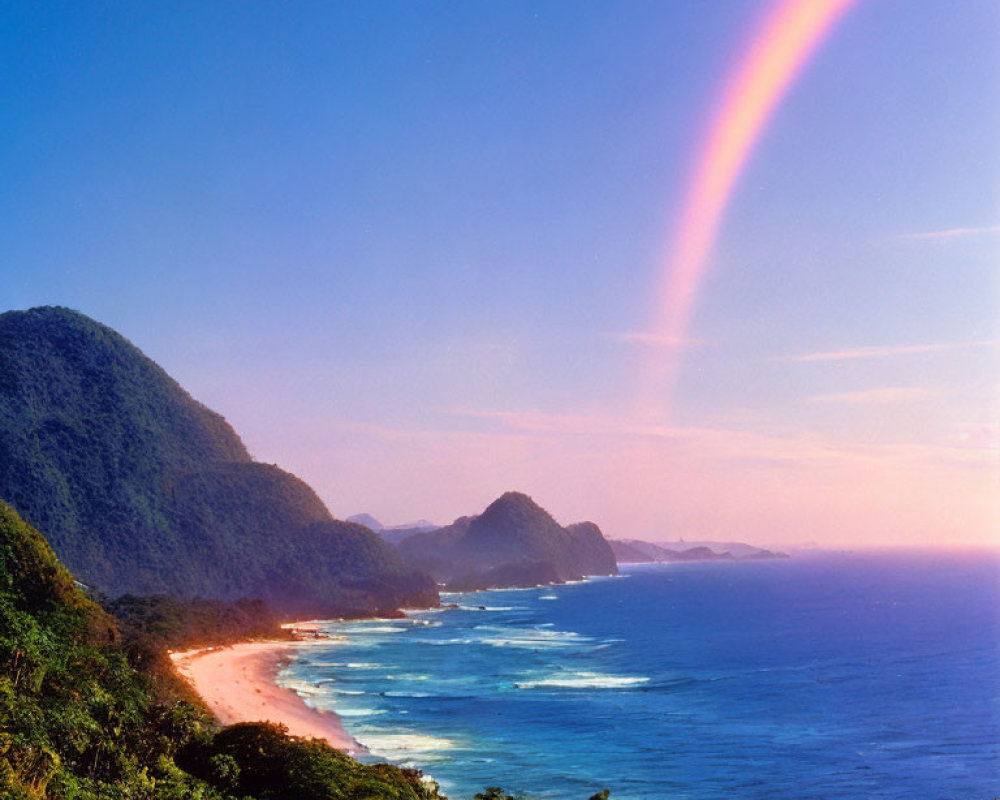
789,35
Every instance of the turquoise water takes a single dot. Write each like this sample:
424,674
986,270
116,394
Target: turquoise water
844,676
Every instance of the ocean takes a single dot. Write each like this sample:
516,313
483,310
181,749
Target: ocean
849,675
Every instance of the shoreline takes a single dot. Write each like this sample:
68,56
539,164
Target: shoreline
238,683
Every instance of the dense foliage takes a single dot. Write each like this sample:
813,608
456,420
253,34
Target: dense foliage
259,759
142,490
75,719
152,626
163,621
513,540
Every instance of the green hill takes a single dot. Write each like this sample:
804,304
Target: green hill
143,490
512,543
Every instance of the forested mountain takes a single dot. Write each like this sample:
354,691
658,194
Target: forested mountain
513,542
143,490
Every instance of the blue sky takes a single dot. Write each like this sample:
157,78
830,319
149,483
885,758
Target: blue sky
401,247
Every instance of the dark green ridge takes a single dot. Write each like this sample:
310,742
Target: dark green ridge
143,490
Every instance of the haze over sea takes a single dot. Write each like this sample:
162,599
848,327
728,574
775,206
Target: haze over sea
848,675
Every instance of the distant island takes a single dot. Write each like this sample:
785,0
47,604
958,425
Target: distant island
636,551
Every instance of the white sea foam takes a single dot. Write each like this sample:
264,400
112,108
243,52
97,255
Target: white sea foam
357,712
409,748
491,608
440,642
531,638
525,643
548,597
376,629
583,680
301,688
403,624
324,641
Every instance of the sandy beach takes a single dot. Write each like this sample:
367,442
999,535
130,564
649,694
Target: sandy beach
237,683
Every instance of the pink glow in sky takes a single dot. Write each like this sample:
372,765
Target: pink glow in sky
790,34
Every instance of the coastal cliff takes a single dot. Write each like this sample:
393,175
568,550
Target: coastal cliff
143,490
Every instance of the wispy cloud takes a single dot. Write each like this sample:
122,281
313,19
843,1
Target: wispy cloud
950,233
888,351
977,436
692,445
886,396
564,424
654,340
